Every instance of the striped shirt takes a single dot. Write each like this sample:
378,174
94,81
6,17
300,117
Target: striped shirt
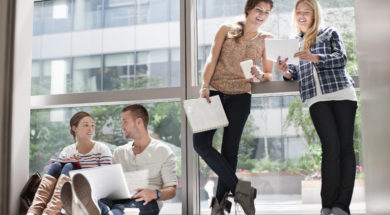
98,156
332,58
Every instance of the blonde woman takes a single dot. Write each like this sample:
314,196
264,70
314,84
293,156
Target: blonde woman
328,89
222,76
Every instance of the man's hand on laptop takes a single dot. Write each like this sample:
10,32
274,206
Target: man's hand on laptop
145,195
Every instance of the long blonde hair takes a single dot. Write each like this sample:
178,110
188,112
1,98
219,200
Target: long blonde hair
311,33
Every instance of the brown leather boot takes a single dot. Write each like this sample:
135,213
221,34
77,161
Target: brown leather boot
245,195
43,194
55,205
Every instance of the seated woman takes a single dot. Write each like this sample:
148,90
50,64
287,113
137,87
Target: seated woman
47,199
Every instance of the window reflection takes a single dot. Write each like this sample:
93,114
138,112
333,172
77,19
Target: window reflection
87,14
86,75
104,59
55,16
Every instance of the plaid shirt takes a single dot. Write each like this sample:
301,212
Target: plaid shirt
331,67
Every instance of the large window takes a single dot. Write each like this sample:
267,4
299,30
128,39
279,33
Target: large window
115,52
99,55
136,56
279,150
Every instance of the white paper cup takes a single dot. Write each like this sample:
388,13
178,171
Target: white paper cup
246,68
131,211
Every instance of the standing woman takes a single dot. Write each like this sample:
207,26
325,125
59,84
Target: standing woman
325,84
48,199
222,76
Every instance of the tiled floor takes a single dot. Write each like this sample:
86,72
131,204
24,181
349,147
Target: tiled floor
272,205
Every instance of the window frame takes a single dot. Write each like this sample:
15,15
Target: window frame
188,89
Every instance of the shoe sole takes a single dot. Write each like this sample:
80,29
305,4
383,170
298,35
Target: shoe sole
83,193
66,197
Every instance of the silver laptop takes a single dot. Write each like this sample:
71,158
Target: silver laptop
106,181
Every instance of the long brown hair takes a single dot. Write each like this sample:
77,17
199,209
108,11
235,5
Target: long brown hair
311,33
75,120
238,27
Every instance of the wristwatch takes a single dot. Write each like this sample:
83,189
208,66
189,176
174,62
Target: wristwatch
158,194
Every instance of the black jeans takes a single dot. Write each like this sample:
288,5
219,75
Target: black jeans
334,123
224,164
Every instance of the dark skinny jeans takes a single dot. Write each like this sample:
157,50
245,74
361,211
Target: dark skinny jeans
224,164
334,123
57,168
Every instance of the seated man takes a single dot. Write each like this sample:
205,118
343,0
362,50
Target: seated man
143,153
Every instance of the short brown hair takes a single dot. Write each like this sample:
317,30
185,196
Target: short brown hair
75,120
138,111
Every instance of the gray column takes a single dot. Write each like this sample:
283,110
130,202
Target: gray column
373,43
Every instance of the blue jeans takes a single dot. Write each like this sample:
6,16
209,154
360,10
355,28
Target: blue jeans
334,122
224,164
57,168
117,207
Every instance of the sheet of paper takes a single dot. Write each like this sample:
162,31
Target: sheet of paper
204,116
283,48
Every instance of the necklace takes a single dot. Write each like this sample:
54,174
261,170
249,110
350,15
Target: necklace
249,35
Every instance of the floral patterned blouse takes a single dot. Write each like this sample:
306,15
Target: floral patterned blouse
228,77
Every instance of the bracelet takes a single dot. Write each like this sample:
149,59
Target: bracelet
261,76
204,88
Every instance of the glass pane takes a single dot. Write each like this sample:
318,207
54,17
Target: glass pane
50,77
49,134
87,14
119,12
37,18
153,66
280,154
152,11
56,16
86,75
279,24
276,153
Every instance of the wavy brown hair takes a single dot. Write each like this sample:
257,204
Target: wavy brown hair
238,28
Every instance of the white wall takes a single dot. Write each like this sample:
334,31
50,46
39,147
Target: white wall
21,101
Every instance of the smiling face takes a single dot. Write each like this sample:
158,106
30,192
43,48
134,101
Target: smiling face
259,14
85,129
129,125
304,16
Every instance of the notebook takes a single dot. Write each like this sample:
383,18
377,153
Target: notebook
204,116
106,181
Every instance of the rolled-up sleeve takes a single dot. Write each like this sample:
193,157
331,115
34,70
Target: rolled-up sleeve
168,170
